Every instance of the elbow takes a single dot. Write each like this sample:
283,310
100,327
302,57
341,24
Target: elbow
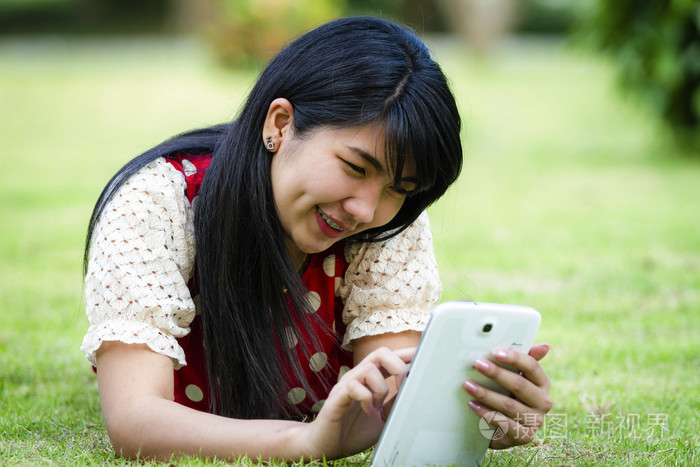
131,437
132,449
124,442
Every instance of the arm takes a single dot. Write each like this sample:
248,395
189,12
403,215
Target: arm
136,393
365,345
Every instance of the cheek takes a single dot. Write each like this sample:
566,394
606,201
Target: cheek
388,209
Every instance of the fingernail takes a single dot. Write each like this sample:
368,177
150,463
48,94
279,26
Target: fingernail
482,364
500,354
471,387
474,405
371,410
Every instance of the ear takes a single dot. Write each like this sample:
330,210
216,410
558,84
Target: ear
278,122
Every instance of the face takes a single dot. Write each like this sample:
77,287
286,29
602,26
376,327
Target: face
332,184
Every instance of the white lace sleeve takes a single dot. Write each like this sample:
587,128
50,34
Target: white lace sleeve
141,258
390,286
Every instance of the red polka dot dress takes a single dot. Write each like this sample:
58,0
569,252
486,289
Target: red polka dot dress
139,286
321,277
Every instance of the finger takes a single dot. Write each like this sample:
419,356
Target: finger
374,380
539,351
406,354
529,366
504,427
358,392
513,408
525,390
388,356
368,375
391,363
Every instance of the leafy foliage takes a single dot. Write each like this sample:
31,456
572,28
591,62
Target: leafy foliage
252,31
656,44
546,16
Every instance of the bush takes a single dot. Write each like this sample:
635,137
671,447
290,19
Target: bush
546,16
244,32
656,45
86,17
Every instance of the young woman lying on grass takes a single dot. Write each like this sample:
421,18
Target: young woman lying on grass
257,288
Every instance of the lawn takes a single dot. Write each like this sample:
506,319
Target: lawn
570,201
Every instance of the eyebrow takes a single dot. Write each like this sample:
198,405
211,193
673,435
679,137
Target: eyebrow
374,162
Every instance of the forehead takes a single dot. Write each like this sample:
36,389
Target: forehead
367,137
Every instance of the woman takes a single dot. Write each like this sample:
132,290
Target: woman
313,274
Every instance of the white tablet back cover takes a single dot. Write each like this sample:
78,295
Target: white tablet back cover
431,422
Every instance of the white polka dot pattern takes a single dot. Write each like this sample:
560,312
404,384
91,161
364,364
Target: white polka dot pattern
343,369
292,339
296,395
194,393
318,361
329,265
188,167
317,406
314,300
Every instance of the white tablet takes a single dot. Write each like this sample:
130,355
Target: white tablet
431,422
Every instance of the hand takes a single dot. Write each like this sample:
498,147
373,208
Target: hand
353,416
518,416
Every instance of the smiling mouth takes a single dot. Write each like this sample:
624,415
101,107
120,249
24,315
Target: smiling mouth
328,221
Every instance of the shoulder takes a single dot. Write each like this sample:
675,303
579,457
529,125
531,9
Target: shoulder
390,286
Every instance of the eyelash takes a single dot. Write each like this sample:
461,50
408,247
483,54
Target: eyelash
355,168
400,191
359,170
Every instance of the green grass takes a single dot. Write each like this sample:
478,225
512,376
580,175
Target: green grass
570,201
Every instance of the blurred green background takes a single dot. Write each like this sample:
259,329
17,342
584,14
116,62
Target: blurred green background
655,43
578,195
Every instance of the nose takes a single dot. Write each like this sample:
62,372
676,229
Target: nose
363,205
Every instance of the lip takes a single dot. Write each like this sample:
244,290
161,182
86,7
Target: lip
325,227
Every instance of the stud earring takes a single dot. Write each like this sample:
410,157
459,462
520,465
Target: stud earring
270,145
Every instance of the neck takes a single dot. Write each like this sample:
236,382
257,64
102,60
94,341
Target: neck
298,256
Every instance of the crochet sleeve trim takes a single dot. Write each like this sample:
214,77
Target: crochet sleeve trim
391,286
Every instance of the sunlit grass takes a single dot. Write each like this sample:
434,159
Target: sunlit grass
570,202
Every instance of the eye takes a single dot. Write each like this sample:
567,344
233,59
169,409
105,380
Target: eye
399,192
403,188
355,168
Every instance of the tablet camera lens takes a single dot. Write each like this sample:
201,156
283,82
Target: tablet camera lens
487,327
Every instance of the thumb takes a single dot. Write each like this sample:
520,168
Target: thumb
539,351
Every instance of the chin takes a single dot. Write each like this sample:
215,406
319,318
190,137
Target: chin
322,247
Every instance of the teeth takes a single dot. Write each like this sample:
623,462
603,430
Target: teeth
330,223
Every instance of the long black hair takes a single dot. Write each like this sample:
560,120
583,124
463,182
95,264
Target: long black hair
349,72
